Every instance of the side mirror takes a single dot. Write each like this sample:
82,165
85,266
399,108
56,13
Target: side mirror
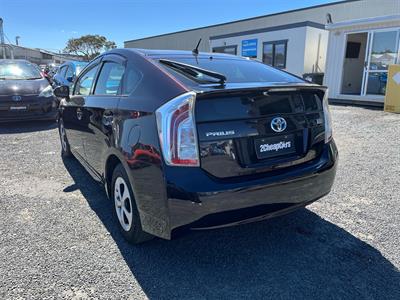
62,91
70,79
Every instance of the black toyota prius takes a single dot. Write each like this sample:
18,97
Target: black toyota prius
24,93
185,140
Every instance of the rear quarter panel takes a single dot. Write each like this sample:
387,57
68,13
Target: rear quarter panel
137,145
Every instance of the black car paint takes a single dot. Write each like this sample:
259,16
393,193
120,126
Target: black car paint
249,116
38,108
169,198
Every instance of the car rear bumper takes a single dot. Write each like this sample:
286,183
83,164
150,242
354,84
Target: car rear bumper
196,200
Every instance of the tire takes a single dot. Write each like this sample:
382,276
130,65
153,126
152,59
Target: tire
65,149
125,208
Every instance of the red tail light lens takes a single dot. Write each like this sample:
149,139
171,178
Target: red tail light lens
177,131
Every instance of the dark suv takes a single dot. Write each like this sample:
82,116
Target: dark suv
184,140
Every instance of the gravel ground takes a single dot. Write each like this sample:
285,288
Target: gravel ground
58,238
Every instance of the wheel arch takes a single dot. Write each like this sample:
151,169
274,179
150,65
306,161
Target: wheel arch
111,163
154,216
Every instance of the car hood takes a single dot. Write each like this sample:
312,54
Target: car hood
22,87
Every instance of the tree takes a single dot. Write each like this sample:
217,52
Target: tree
89,45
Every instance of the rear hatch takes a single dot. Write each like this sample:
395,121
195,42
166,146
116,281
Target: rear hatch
256,130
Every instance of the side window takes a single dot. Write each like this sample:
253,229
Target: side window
69,73
131,80
85,82
110,79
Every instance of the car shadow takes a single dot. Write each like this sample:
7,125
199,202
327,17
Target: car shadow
26,126
295,256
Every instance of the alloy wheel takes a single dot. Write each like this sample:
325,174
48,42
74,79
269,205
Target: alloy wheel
63,136
123,203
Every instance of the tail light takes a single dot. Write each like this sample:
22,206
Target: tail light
177,131
327,118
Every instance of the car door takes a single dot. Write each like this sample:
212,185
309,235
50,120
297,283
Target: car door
75,119
102,108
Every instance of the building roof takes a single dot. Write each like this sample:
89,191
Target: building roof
61,55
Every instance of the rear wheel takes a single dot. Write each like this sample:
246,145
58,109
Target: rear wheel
125,208
65,149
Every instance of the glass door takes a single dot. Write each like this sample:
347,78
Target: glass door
383,50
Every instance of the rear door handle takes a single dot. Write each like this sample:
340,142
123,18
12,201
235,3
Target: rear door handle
79,113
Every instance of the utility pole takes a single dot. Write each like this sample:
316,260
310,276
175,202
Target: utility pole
17,40
2,44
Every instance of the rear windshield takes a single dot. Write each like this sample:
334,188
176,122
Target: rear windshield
239,70
19,71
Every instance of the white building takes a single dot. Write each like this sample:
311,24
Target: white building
297,47
296,41
360,52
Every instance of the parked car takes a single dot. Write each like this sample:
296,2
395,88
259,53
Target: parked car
24,93
191,141
53,70
67,72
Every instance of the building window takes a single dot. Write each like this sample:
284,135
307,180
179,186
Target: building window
46,56
225,49
274,54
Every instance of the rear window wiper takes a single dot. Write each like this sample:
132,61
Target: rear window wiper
193,71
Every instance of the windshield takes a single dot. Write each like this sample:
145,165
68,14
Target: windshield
238,70
19,71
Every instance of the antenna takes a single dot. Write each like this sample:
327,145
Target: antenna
196,50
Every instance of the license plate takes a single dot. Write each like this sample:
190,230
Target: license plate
18,107
274,146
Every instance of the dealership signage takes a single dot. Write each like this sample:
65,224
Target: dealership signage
249,48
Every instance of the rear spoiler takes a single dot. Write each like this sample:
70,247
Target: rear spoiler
270,88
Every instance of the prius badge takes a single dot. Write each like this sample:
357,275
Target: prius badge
220,133
278,124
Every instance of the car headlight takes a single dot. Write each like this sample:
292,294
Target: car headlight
47,92
327,118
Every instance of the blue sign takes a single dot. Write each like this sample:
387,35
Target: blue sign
249,48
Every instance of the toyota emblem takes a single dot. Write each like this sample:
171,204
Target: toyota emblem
16,98
278,124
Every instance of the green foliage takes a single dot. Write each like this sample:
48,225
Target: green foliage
89,45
